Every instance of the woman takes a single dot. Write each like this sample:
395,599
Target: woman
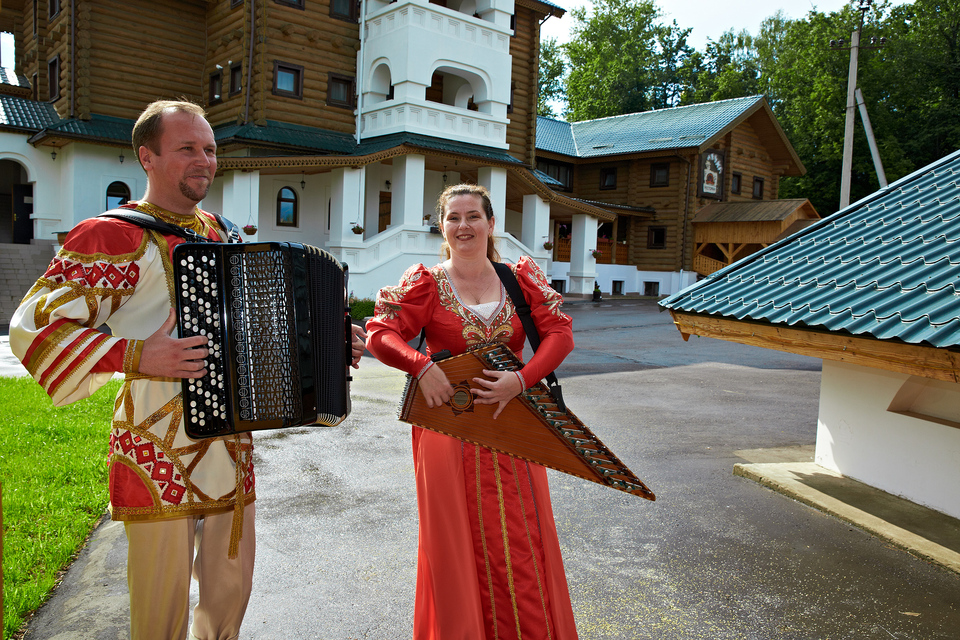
489,563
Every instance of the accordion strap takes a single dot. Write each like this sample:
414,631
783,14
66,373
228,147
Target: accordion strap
148,221
529,327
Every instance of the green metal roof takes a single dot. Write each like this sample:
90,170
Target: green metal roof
98,128
311,140
676,128
886,267
11,78
26,115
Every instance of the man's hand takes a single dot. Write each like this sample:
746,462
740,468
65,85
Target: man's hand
358,344
169,357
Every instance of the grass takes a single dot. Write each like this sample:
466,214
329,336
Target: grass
53,468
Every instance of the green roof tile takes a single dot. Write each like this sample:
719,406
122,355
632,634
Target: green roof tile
29,115
886,267
676,128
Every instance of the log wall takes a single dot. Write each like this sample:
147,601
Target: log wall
525,51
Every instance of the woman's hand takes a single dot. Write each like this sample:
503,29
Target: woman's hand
435,386
504,387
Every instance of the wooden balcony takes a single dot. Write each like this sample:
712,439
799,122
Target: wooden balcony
705,266
610,252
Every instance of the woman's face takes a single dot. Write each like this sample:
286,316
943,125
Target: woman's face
465,225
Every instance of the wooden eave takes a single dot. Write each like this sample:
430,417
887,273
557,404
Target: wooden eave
916,360
784,156
540,7
658,154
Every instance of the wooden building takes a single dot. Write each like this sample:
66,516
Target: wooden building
686,190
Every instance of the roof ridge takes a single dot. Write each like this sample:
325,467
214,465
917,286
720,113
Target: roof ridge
677,108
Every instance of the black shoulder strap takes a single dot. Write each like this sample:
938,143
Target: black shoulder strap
529,327
148,221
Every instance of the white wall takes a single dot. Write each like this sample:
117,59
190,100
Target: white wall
633,281
907,456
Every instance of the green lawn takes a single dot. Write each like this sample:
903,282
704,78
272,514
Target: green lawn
53,469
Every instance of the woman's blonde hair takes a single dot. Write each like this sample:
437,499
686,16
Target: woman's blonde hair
465,189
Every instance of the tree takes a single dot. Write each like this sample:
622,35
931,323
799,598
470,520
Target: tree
551,78
616,61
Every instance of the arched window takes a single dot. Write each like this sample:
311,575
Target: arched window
288,208
118,193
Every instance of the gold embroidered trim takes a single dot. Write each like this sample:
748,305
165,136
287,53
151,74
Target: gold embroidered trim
76,364
506,543
483,541
533,551
50,344
131,356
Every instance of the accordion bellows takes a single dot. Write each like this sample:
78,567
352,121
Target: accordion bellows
276,322
531,426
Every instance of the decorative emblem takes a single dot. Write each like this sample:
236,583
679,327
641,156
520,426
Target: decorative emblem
462,400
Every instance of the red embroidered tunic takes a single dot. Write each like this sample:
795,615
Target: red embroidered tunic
489,562
110,272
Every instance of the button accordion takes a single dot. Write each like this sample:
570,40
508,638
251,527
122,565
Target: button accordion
277,324
531,426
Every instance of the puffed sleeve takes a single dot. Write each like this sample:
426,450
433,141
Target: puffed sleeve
554,326
54,330
399,315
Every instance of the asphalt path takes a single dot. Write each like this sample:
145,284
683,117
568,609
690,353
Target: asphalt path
715,557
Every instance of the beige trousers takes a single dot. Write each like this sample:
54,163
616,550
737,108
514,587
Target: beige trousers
160,561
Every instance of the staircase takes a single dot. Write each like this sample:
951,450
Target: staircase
20,266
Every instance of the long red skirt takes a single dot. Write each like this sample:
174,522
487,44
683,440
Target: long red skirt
489,563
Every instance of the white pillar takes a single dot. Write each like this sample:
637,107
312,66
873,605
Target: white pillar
536,224
346,204
241,198
495,180
406,204
375,177
583,266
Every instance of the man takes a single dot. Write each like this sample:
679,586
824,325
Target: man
170,491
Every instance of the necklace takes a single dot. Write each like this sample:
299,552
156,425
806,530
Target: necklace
194,221
476,298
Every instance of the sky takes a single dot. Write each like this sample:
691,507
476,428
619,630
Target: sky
707,18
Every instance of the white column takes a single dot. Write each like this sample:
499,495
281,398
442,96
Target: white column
346,204
374,177
583,266
241,198
496,11
495,180
406,205
536,223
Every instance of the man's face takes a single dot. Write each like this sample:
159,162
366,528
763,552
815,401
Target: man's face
186,161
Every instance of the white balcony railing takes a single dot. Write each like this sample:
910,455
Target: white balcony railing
434,119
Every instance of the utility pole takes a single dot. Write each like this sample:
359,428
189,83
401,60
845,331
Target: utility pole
852,89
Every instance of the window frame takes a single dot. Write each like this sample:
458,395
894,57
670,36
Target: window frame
53,9
758,182
654,169
736,182
215,95
295,223
293,4
350,83
297,69
606,172
53,78
352,15
236,70
107,194
652,242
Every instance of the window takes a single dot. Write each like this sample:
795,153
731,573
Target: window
296,4
340,91
53,9
559,171
36,17
236,78
287,80
344,10
651,289
758,188
216,87
608,178
118,193
660,174
235,3
53,79
657,238
34,88
288,208
736,181
617,288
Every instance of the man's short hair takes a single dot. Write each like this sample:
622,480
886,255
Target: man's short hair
149,125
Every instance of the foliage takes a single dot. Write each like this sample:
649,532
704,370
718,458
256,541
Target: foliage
621,59
551,77
361,308
53,467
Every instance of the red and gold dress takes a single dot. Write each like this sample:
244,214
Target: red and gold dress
489,563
